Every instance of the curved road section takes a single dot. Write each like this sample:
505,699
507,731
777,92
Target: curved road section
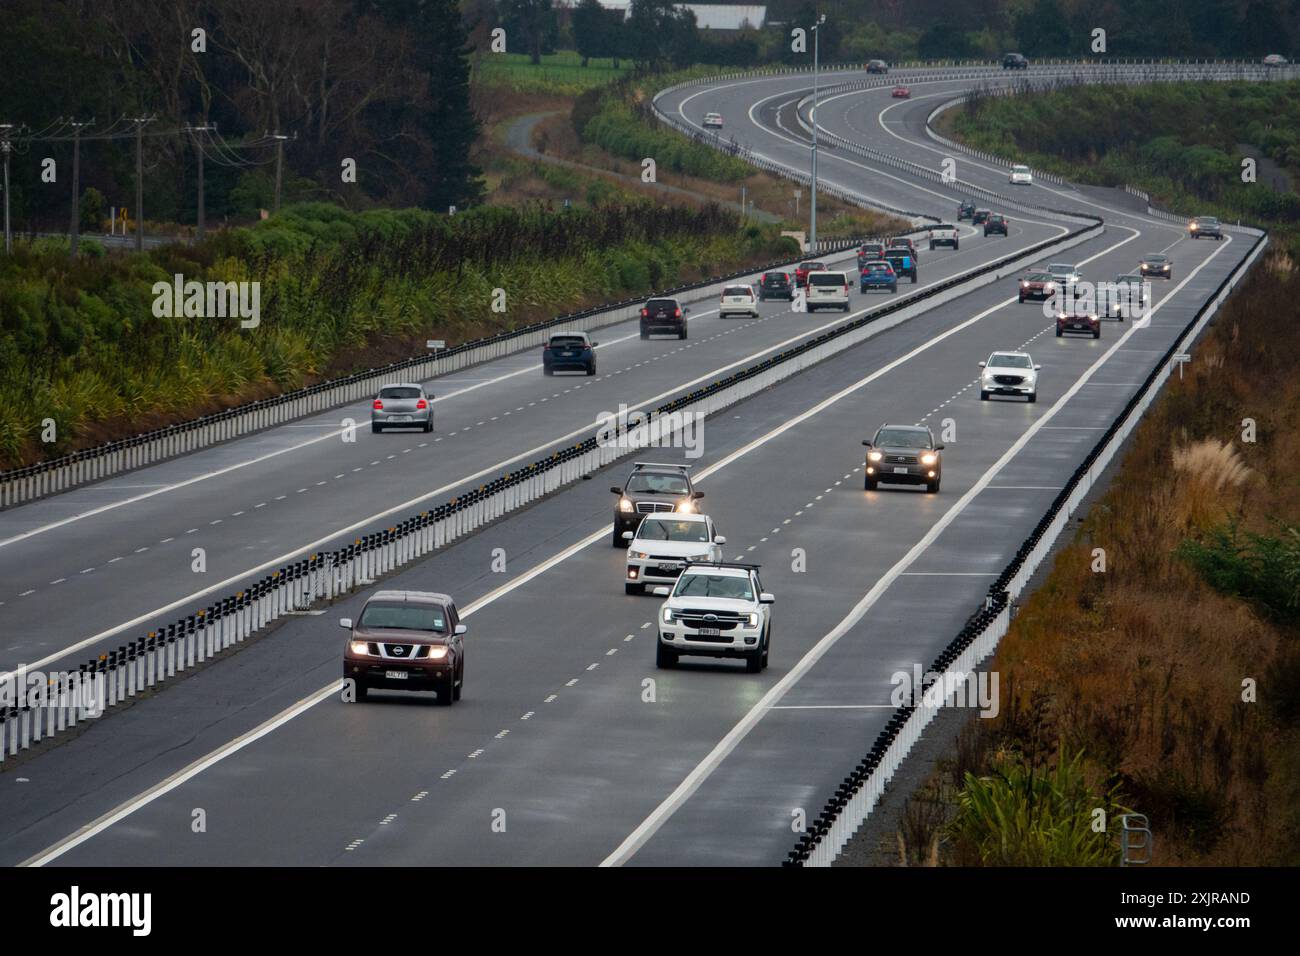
569,747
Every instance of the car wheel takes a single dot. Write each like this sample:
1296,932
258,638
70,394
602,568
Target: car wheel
869,484
618,541
460,684
548,371
932,247
767,646
664,657
1022,300
360,692
932,487
591,369
956,246
376,428
645,334
447,690
428,426
1096,333
1058,331
633,588
984,396
913,278
1033,397
682,333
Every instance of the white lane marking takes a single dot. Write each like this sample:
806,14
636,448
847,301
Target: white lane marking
551,698
651,824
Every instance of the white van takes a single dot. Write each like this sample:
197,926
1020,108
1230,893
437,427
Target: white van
828,289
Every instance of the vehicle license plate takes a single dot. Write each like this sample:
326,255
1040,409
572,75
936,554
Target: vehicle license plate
395,675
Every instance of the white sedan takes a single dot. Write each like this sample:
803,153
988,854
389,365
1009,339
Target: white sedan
662,545
1009,373
713,121
738,300
1021,176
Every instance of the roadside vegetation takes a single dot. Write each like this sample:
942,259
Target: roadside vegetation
339,291
1187,152
559,74
1169,684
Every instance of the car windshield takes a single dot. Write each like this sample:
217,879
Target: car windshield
401,391
1154,259
567,341
775,277
662,529
1020,169
715,585
1208,221
813,266
668,304
652,484
996,217
903,438
1038,277
877,267
737,290
1006,360
406,617
826,278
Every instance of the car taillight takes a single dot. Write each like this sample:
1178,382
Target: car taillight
421,404
645,312
677,313
378,404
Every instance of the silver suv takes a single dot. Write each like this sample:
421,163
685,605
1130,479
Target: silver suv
716,609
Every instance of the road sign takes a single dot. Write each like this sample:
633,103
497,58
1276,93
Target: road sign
435,344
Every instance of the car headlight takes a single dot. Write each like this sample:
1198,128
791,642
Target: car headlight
874,456
637,555
929,458
686,507
625,504
437,653
751,619
667,615
360,647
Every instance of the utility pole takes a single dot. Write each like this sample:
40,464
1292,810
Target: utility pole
6,147
198,148
279,167
139,122
74,229
813,199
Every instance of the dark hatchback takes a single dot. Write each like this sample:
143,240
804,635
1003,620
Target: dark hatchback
570,352
878,275
996,222
663,315
406,640
903,454
775,285
966,210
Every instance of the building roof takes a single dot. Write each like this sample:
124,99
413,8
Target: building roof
708,16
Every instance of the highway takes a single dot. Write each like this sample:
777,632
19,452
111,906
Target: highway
560,752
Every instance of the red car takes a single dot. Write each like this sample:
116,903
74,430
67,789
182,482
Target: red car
1077,320
801,272
1037,285
901,93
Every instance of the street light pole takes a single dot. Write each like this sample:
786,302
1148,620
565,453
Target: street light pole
813,200
5,147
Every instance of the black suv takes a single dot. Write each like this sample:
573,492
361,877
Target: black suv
573,351
775,285
903,261
1015,61
652,488
904,454
663,315
966,210
996,222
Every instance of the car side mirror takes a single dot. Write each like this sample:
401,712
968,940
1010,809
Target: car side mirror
720,539
866,443
983,364
938,448
660,591
616,489
1037,367
594,344
628,536
767,597
461,629
697,494
345,622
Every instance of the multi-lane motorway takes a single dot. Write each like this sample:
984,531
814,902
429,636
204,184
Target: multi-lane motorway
569,747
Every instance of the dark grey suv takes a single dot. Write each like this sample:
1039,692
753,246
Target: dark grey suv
406,640
905,455
650,489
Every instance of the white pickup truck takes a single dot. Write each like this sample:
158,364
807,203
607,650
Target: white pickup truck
944,235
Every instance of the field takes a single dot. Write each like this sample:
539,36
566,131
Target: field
560,74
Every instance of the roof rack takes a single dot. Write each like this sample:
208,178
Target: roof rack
723,564
659,464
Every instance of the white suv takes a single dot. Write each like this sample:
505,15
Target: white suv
716,610
1009,373
738,300
828,289
1021,176
664,544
